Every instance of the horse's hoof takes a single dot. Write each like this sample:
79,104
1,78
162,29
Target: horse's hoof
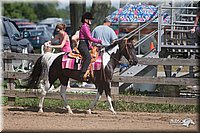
69,109
40,111
70,112
114,113
89,111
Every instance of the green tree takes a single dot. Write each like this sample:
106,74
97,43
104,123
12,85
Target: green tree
34,11
19,10
45,10
100,10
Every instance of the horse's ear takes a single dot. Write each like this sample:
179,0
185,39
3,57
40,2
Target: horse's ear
42,49
117,41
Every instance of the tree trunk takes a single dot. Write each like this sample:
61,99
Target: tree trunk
76,12
100,11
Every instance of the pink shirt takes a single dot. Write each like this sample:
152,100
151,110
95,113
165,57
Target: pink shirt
86,34
66,47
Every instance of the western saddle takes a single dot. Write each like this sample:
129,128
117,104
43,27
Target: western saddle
94,55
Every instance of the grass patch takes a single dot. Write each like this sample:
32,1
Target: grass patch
161,108
103,105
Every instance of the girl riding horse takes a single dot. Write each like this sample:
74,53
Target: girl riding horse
48,68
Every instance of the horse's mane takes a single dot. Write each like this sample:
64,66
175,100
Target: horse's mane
111,46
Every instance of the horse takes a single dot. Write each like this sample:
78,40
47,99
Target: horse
48,68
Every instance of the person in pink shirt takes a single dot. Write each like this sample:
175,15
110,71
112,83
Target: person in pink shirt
85,39
63,38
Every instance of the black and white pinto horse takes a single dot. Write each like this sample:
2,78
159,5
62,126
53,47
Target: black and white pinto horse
48,68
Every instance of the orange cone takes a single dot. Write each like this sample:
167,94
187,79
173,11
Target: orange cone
151,46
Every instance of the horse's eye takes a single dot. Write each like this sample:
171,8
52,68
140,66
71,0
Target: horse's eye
130,46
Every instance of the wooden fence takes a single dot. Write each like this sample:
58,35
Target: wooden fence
11,92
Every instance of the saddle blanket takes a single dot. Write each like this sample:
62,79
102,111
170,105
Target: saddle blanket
72,63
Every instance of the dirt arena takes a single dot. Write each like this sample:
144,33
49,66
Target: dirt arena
28,119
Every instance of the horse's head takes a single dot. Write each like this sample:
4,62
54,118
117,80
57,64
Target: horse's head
128,51
46,47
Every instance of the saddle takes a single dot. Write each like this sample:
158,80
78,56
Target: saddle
75,54
94,55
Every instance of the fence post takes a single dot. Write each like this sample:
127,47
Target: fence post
10,82
115,88
114,92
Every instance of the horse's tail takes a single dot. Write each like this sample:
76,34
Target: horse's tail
34,78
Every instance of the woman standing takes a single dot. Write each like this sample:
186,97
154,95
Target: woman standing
196,27
64,41
85,38
63,38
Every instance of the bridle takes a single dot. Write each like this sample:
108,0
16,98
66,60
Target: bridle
126,46
118,61
121,49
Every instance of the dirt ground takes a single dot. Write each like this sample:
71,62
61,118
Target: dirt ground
28,119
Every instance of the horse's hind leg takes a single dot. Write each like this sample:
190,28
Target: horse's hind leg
44,87
108,95
63,94
97,98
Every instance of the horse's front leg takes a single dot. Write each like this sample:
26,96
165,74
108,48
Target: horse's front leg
110,104
44,87
108,95
63,95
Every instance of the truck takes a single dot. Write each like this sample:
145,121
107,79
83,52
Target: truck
11,37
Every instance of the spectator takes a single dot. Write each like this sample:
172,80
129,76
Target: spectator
63,38
75,41
105,33
196,27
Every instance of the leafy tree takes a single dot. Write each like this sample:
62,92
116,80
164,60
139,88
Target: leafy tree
100,10
34,11
45,10
19,10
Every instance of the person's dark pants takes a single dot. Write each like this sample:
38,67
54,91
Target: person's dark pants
84,51
198,34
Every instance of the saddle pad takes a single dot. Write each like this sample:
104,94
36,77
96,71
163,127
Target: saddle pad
72,63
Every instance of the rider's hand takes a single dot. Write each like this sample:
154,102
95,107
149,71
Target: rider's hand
90,47
100,41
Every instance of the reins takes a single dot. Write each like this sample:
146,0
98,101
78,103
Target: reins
125,46
112,56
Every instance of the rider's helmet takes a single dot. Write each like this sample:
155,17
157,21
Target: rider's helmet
87,15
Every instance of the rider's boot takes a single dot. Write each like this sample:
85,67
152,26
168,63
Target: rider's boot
86,75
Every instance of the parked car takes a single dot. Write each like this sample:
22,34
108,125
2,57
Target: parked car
12,40
22,22
38,37
16,20
32,27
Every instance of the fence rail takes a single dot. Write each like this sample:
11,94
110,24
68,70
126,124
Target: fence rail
12,92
